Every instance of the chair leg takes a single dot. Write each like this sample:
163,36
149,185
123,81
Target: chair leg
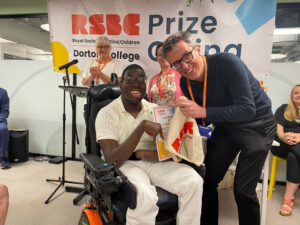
273,176
263,210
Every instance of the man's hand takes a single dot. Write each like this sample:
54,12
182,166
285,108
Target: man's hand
190,108
152,128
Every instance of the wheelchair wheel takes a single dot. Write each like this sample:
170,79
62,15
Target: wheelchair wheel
84,220
90,217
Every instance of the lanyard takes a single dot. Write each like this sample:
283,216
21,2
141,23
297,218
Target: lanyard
104,64
161,88
204,87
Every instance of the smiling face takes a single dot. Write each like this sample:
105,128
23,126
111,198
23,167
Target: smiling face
103,50
194,69
133,86
296,95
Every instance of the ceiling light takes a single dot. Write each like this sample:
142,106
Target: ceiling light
294,30
45,27
278,56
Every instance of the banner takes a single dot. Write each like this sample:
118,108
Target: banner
242,27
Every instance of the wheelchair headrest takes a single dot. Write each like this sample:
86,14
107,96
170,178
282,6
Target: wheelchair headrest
104,91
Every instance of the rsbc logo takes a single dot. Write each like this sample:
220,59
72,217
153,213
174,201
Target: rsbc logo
187,128
112,24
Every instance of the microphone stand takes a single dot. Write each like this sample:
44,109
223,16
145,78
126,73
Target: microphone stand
62,179
72,104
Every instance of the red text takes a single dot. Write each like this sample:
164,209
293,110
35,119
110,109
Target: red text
187,127
110,24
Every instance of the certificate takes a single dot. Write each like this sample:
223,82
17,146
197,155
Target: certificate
163,115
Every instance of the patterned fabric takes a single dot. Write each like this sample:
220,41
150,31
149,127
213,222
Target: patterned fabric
171,91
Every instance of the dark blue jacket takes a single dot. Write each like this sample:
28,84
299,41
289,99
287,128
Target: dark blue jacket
233,93
4,105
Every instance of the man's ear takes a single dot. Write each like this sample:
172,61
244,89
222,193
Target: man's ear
198,49
121,84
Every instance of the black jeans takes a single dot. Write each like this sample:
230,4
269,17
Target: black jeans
292,154
253,140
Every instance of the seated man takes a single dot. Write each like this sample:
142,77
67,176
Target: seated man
4,134
3,203
127,137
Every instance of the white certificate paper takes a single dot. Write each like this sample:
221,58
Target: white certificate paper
163,115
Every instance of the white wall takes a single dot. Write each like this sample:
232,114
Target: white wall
282,78
36,102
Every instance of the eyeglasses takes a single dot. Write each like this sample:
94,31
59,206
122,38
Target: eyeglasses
132,79
185,58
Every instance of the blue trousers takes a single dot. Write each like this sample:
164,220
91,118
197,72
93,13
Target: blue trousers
4,138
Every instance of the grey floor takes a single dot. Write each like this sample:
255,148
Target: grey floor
28,191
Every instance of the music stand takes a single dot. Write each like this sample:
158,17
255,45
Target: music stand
62,179
78,91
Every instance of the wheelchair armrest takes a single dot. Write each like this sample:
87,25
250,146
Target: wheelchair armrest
96,164
105,178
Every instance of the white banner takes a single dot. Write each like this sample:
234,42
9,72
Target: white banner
242,27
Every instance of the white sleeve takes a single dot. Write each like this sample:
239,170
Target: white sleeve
86,72
106,125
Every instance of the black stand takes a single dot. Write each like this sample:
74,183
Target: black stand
74,128
62,179
87,143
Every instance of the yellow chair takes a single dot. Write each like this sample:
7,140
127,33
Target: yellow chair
273,173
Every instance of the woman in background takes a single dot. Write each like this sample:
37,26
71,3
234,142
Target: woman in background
99,70
164,87
288,135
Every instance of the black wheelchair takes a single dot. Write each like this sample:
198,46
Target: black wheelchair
111,192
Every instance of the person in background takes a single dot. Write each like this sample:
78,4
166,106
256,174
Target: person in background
222,90
99,70
164,87
288,135
125,131
4,134
4,201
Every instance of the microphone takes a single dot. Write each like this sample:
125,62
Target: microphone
113,78
68,64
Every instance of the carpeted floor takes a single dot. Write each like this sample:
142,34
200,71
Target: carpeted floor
28,191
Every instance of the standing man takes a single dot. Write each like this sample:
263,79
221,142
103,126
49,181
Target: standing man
222,91
4,135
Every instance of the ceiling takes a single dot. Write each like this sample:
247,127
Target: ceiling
288,46
29,41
